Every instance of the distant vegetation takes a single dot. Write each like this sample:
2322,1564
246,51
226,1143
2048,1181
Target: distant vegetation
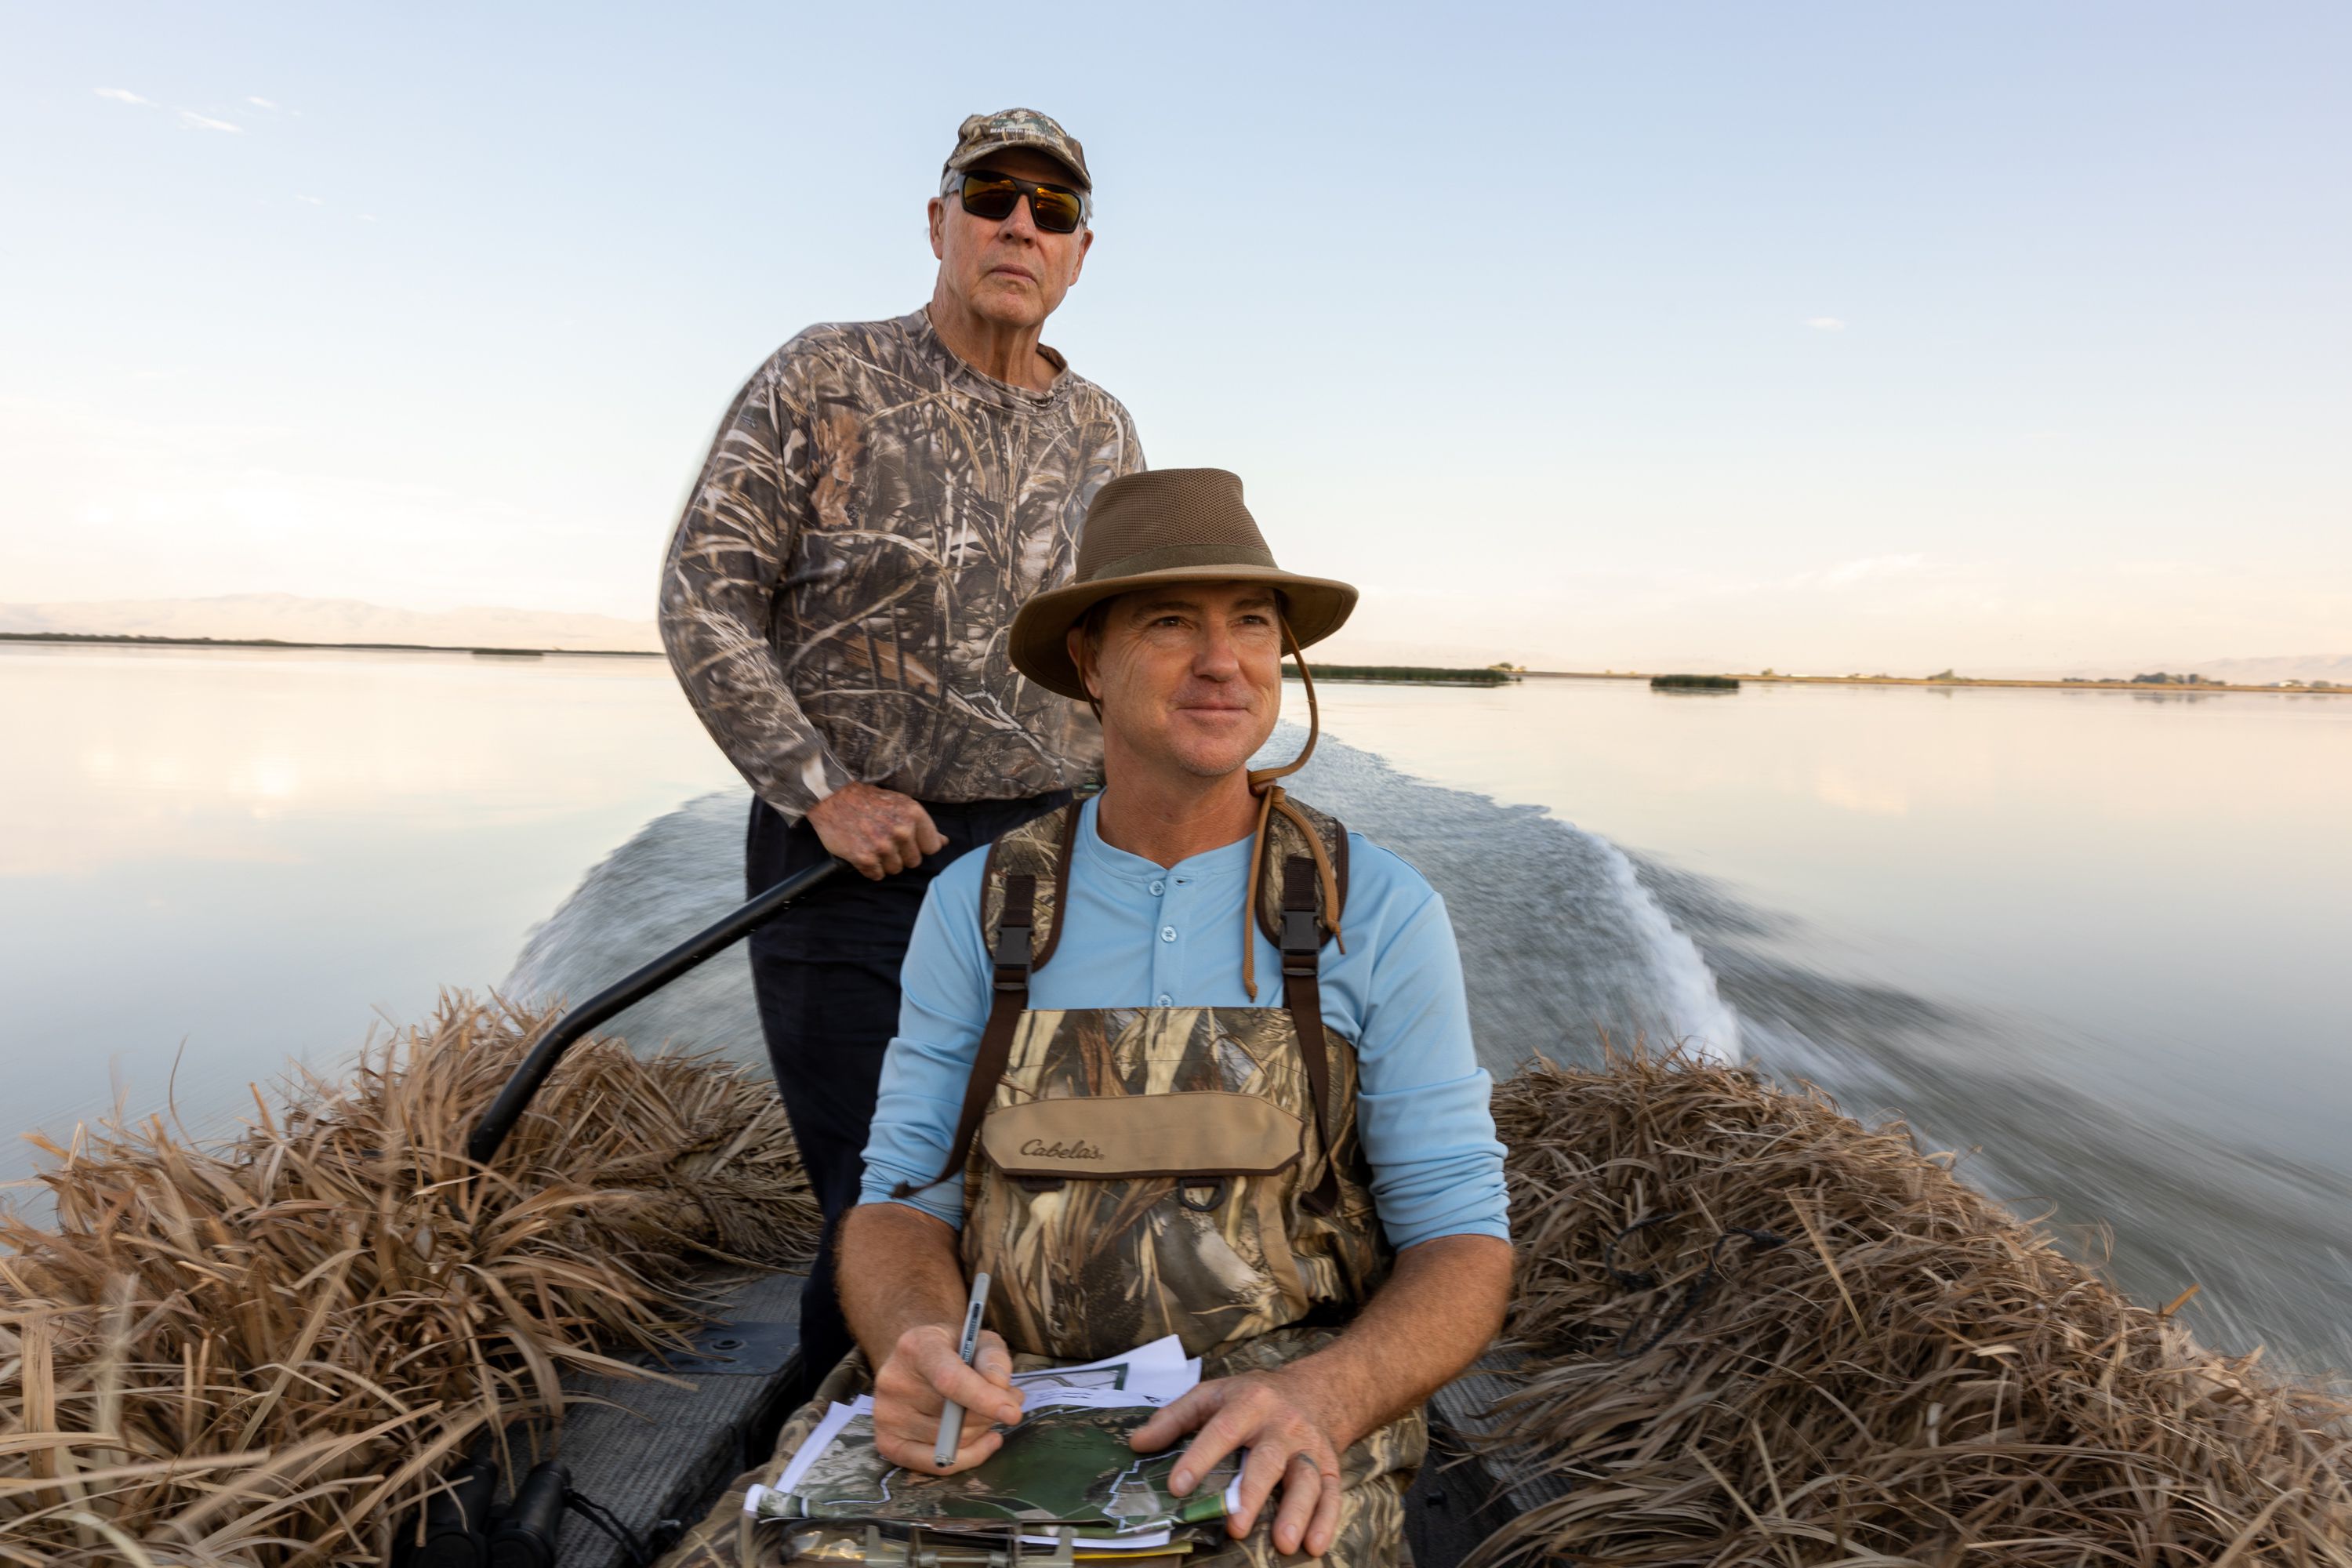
139,639
1413,674
1948,676
2164,678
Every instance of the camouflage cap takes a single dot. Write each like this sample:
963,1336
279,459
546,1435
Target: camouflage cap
981,134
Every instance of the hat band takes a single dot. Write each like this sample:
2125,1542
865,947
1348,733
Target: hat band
1169,557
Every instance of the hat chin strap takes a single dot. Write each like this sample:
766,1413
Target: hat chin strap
1270,799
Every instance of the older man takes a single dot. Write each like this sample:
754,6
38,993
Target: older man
1281,1154
835,602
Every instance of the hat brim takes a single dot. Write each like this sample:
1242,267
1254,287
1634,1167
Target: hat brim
1039,643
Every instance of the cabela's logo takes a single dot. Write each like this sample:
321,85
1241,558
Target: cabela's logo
1038,1149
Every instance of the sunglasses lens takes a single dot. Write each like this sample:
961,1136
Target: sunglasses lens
1056,211
989,198
993,198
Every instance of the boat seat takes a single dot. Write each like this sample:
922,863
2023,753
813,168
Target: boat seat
1463,1495
651,1451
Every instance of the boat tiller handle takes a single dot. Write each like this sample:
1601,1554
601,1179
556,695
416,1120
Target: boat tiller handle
515,1097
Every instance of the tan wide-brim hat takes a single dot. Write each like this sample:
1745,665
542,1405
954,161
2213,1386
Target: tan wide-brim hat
1165,525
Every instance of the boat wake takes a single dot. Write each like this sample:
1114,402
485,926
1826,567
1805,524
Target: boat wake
1562,946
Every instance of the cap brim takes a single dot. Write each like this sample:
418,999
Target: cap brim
1039,642
1043,149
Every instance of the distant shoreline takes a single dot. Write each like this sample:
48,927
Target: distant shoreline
1955,681
129,640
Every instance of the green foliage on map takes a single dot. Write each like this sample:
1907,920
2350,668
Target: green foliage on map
1067,1463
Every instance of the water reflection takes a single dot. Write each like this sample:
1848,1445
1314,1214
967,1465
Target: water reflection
222,857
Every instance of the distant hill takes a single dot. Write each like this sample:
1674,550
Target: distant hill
289,617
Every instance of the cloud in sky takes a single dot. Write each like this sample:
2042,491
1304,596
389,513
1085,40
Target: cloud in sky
259,102
123,95
1825,324
195,121
314,201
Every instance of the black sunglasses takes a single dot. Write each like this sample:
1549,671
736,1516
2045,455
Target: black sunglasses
1056,209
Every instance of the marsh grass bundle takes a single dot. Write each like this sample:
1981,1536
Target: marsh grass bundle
258,1352
1911,1374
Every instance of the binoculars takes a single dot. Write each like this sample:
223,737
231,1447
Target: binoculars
464,1529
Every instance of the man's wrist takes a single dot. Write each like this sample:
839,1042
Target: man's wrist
1317,1386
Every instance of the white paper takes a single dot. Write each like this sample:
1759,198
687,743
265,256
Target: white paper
1159,1371
1160,1537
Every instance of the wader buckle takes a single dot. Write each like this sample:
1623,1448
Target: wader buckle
1011,958
1302,941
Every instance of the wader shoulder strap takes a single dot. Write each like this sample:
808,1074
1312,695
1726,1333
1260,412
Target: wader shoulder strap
1302,994
1039,849
1031,859
1274,886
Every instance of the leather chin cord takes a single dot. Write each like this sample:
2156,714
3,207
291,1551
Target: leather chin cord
1270,799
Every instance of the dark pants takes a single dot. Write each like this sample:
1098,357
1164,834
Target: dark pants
826,975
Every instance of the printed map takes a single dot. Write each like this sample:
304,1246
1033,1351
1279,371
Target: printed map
1062,1464
1067,1462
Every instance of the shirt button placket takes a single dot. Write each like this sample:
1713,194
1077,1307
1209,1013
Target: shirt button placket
1163,958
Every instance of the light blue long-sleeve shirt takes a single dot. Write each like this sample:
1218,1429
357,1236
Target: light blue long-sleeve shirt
1135,934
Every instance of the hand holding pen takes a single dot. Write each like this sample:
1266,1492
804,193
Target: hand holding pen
934,1376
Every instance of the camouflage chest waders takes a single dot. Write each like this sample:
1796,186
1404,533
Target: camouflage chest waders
1135,1171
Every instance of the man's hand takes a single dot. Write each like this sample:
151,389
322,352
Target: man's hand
922,1374
879,831
1289,1440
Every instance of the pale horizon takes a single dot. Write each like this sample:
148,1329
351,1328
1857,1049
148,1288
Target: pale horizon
1856,340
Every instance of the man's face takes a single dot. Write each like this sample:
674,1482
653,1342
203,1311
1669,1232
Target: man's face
1189,675
1008,271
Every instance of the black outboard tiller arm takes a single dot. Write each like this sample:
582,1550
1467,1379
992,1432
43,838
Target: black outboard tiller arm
509,1107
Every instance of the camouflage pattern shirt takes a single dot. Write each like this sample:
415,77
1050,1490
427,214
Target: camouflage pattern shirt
836,595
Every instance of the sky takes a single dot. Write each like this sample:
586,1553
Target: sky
1826,337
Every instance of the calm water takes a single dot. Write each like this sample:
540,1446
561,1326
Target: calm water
2099,937
227,857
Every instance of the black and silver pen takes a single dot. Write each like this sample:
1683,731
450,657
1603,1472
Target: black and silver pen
951,1414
